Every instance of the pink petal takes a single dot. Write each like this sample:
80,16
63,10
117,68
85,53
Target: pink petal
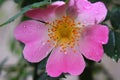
60,11
68,62
73,7
30,31
91,50
98,33
44,14
88,13
36,51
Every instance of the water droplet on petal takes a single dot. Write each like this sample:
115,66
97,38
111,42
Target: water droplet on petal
101,5
96,12
24,26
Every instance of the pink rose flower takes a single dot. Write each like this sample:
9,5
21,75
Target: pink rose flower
70,31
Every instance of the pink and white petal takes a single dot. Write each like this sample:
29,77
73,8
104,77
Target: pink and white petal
88,13
75,62
91,50
68,62
80,5
44,14
75,7
97,33
99,11
30,31
36,51
94,14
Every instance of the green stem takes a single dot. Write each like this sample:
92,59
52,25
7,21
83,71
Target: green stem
35,75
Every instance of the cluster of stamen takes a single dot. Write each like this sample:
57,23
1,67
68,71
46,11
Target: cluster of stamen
65,32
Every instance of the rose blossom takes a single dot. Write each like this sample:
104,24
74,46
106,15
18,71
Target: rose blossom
69,31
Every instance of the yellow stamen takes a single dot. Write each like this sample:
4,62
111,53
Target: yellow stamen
65,32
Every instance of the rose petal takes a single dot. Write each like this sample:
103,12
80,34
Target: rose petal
60,11
98,33
36,51
87,13
45,14
93,15
29,31
75,7
91,50
68,62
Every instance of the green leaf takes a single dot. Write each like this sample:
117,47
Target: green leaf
112,49
24,10
26,2
115,17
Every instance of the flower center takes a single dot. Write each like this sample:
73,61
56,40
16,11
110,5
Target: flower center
65,32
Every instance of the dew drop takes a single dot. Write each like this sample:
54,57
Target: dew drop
24,26
101,5
96,12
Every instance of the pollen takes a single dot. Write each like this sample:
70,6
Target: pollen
65,32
